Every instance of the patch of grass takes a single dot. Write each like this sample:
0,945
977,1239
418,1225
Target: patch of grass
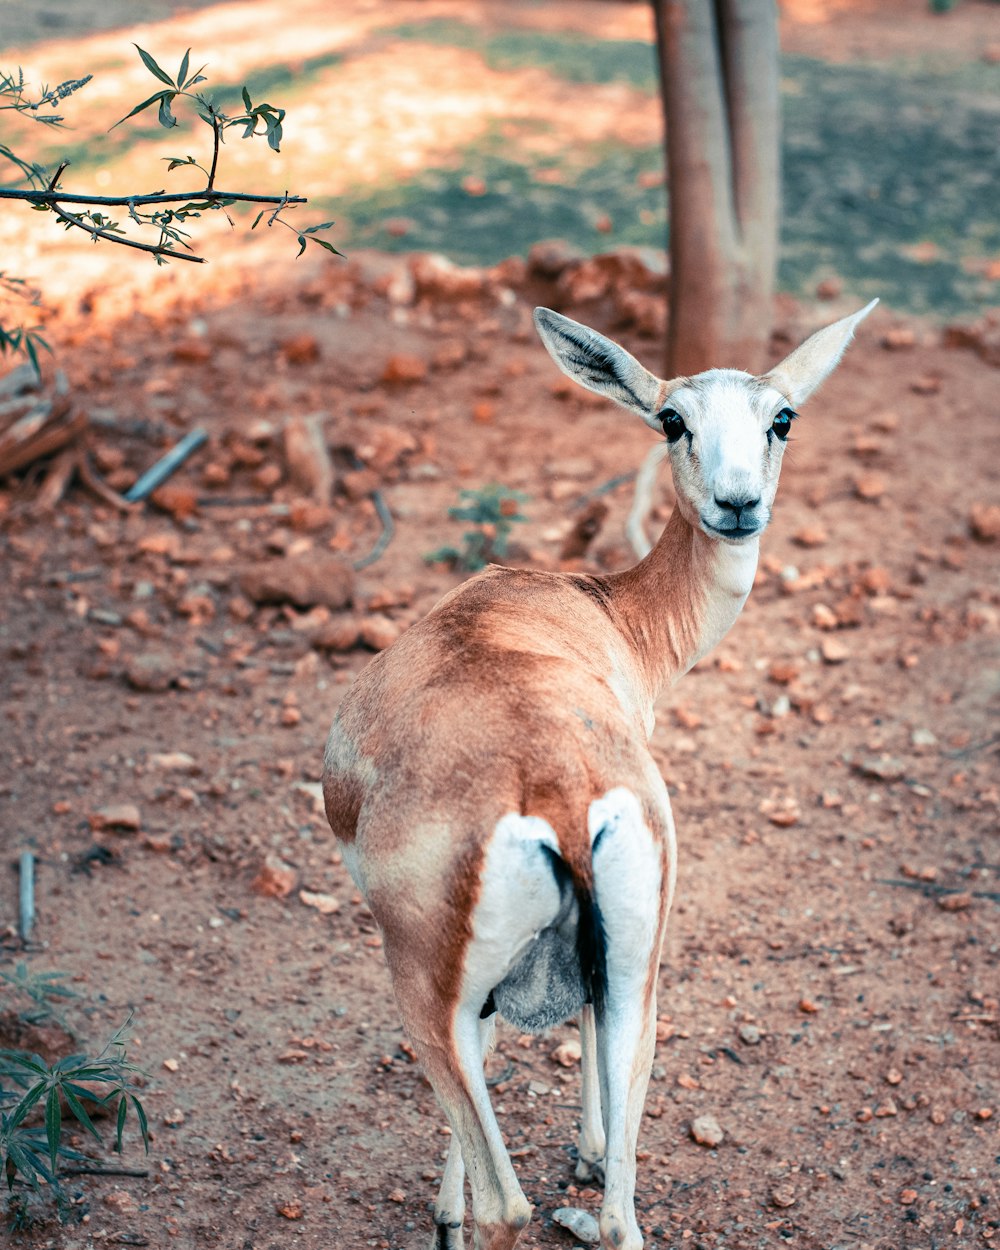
571,57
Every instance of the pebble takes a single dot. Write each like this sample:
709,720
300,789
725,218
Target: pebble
955,902
276,879
174,761
870,486
881,768
404,369
123,817
567,1054
304,581
984,521
749,1034
834,651
152,671
707,1131
580,1223
782,1196
325,904
379,632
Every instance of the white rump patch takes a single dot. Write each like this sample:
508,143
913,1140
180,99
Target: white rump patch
518,897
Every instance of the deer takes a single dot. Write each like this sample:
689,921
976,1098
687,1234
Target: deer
489,780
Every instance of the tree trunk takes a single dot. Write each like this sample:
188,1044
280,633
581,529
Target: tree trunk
719,83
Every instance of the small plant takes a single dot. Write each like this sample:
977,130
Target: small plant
31,1153
42,990
493,511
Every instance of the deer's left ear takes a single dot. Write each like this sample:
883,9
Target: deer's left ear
800,373
600,365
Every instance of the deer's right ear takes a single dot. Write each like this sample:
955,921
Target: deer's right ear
600,365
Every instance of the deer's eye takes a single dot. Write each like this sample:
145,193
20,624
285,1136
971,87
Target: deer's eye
783,423
673,424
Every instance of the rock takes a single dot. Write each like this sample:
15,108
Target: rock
325,904
824,617
811,536
304,581
749,1035
707,1131
955,902
388,444
834,651
783,812
310,469
881,768
984,521
340,634
782,1196
783,672
439,278
174,497
303,349
899,337
404,369
276,879
548,258
870,486
174,761
192,351
122,817
379,632
580,1223
567,1054
152,671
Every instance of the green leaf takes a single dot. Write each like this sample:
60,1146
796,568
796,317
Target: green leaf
153,68
167,119
144,105
120,1125
53,1125
302,246
78,1109
143,1122
256,220
182,72
23,1108
246,100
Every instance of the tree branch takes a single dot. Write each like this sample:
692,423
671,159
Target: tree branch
51,197
97,233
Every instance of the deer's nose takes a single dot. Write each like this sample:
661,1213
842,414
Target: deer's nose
737,504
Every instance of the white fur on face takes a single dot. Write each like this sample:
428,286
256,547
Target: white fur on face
727,457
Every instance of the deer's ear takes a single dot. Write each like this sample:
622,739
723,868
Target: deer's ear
800,373
600,365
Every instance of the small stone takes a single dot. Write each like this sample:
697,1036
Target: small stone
707,1131
955,902
152,672
899,337
404,369
870,486
304,581
567,1054
922,738
984,521
834,651
808,1007
174,761
886,1110
122,817
893,1076
783,672
864,1115
290,716
379,632
325,904
192,351
811,536
907,1197
303,349
339,634
782,1196
276,879
749,1034
882,768
824,617
290,1210
783,812
174,1119
396,1195
171,1065
580,1223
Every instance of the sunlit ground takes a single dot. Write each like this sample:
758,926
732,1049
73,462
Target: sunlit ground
476,129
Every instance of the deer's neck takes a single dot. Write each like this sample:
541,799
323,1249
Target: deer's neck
677,603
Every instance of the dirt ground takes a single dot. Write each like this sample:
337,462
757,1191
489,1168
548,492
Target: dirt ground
829,988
